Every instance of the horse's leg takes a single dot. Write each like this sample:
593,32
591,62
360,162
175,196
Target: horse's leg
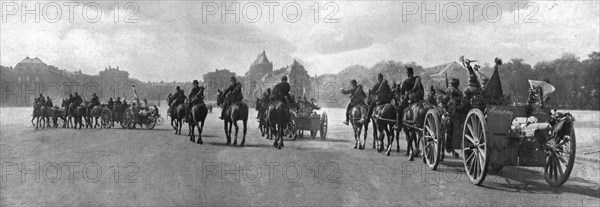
282,128
225,125
408,140
375,129
236,132
389,130
364,142
244,124
397,134
354,130
200,126
32,118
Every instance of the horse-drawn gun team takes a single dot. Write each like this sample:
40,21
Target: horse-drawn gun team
446,121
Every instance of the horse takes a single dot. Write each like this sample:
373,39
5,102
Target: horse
40,114
235,112
413,117
262,116
197,116
177,114
278,118
358,119
57,113
92,115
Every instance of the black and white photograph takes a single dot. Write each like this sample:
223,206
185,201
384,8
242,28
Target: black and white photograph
300,103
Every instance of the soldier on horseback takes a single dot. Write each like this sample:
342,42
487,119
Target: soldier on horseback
383,92
196,96
233,94
118,101
412,90
40,101
357,97
94,102
281,91
48,102
178,97
264,101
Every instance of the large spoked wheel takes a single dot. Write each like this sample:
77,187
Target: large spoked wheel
474,146
323,130
128,120
560,157
151,121
106,118
432,146
160,121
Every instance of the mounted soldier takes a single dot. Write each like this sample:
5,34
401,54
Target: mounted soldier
40,100
118,101
382,91
233,94
48,102
411,89
281,91
264,102
357,97
178,97
94,102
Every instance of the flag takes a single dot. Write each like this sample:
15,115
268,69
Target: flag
493,88
547,88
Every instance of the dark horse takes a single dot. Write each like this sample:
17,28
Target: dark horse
358,119
235,112
40,114
261,108
75,112
196,119
413,118
177,114
278,117
384,117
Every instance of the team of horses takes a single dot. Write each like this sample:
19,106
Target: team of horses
387,120
74,115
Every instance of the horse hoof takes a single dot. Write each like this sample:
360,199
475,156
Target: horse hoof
398,151
275,144
355,146
199,142
387,153
279,146
411,158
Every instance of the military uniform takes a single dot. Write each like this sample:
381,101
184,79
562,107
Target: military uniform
235,95
415,94
281,92
357,97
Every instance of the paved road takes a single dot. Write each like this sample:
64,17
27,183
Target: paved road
158,168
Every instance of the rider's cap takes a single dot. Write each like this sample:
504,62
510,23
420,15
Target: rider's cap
232,78
284,78
380,75
353,81
178,88
195,82
409,70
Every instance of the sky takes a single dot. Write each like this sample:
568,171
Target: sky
182,40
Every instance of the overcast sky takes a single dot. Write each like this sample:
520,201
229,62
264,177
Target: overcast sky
172,41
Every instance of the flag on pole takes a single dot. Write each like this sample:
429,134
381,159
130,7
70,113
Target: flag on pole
547,88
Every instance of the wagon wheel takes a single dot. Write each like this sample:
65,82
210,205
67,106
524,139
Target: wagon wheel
323,125
432,147
106,117
474,146
160,121
151,121
128,120
560,157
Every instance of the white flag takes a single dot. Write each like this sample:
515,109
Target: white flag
547,88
